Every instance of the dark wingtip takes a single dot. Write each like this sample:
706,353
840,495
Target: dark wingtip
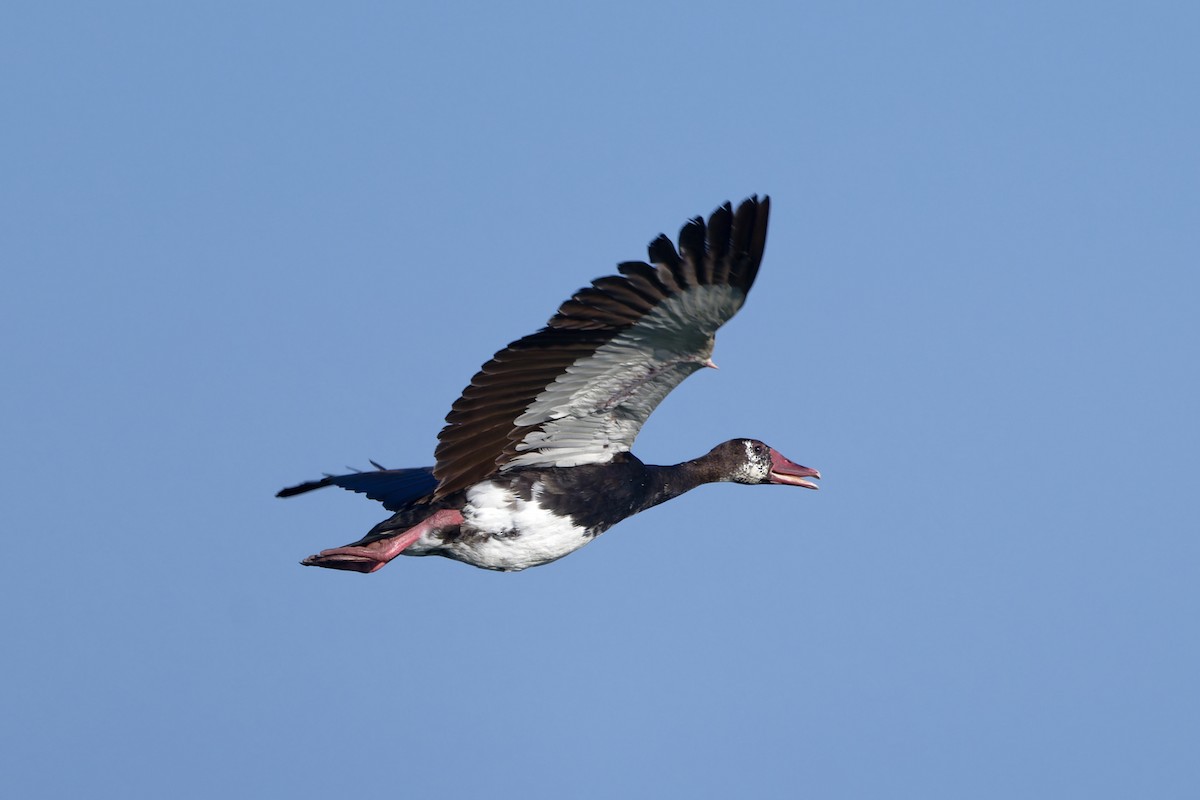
748,238
662,251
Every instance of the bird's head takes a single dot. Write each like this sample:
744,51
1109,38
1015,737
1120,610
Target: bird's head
751,461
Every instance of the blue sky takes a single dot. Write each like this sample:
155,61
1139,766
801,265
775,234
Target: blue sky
245,244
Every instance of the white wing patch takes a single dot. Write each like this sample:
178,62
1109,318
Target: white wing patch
596,408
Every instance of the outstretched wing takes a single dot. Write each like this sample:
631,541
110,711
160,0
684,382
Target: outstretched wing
579,390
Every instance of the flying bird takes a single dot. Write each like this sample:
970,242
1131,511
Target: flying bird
534,460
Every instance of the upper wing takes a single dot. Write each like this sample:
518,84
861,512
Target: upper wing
579,390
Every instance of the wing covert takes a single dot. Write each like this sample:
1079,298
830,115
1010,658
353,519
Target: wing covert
579,390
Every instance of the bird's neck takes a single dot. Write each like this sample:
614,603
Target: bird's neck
666,482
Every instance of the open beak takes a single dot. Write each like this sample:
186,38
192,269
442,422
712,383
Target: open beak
791,473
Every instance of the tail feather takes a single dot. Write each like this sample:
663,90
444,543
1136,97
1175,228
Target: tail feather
395,488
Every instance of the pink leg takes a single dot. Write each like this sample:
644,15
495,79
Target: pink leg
372,557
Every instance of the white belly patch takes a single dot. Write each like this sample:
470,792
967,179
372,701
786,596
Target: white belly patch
502,531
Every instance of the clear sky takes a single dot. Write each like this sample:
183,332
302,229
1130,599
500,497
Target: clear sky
247,243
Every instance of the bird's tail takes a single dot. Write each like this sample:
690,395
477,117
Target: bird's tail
395,488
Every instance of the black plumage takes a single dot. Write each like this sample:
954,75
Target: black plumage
533,461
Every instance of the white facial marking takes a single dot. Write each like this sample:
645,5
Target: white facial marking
755,468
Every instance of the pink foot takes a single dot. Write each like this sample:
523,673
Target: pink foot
371,557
